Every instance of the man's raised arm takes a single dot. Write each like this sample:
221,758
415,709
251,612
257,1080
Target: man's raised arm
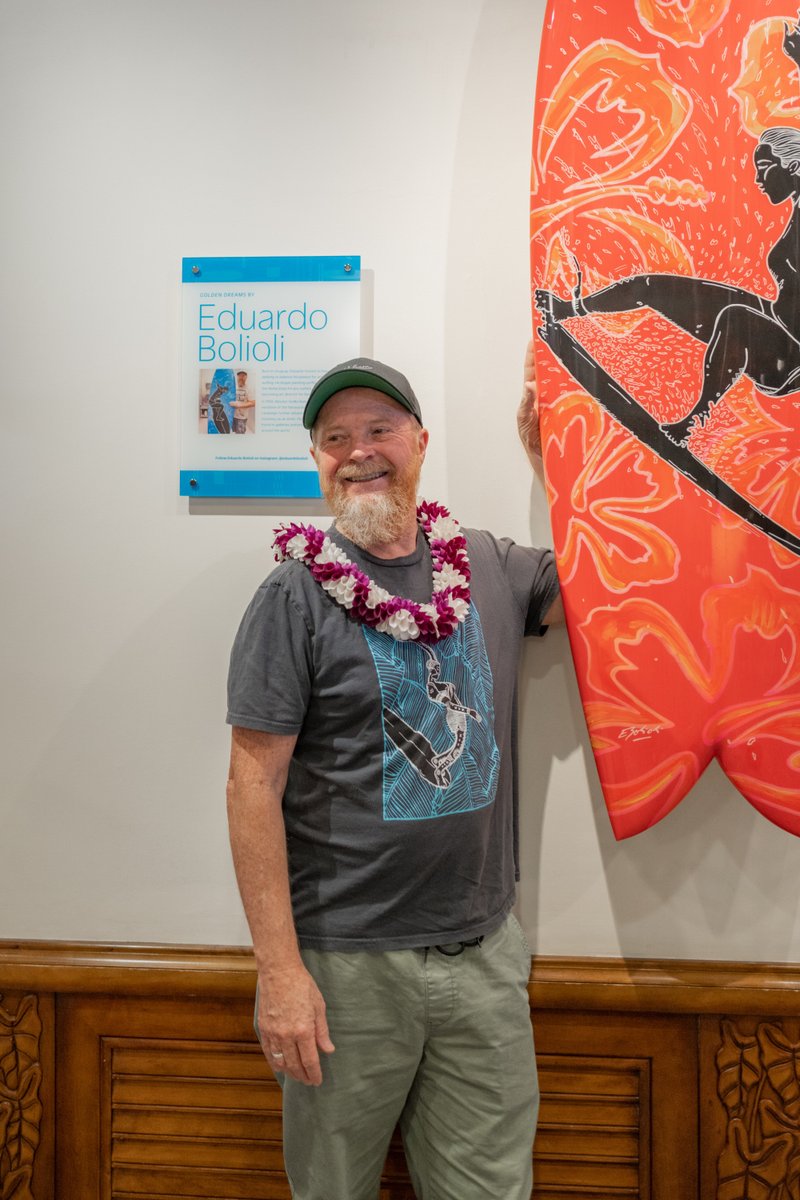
530,436
528,414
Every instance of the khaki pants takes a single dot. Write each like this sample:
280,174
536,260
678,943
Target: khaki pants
441,1044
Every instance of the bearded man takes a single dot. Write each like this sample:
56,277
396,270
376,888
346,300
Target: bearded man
373,816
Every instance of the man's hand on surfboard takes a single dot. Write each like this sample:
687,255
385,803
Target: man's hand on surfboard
528,413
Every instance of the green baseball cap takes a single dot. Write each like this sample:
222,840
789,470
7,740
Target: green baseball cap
361,372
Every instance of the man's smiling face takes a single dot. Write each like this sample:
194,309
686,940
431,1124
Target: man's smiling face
368,450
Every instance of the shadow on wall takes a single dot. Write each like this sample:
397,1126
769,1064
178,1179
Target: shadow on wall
487,302
715,857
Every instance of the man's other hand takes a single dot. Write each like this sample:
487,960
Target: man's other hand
291,1023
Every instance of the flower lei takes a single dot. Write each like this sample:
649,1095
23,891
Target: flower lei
350,587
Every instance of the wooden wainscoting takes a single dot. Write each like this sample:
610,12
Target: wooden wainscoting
132,1073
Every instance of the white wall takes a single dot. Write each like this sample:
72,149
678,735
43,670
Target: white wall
149,130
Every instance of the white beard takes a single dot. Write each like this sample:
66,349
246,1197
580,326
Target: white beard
372,520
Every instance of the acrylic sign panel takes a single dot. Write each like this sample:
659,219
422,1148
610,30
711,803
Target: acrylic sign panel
257,334
665,254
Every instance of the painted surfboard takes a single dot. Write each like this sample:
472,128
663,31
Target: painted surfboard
665,261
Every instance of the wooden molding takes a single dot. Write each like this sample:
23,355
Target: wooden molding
136,970
588,984
665,985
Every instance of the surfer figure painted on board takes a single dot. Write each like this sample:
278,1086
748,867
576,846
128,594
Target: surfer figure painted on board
745,334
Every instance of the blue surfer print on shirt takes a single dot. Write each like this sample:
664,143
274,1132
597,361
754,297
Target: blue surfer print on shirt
440,754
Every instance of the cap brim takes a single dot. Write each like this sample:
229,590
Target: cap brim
348,379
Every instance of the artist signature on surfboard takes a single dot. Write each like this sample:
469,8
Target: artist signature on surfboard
635,733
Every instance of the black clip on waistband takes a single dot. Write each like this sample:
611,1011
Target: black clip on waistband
453,949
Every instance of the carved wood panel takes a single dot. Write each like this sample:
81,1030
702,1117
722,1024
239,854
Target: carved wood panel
752,1069
20,1094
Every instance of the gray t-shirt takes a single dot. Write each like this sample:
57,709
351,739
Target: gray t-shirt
400,805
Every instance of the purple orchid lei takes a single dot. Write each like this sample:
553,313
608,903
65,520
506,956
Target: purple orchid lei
350,587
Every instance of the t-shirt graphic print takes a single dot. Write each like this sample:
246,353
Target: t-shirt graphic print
440,753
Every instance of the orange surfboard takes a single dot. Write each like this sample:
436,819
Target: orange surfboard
665,258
